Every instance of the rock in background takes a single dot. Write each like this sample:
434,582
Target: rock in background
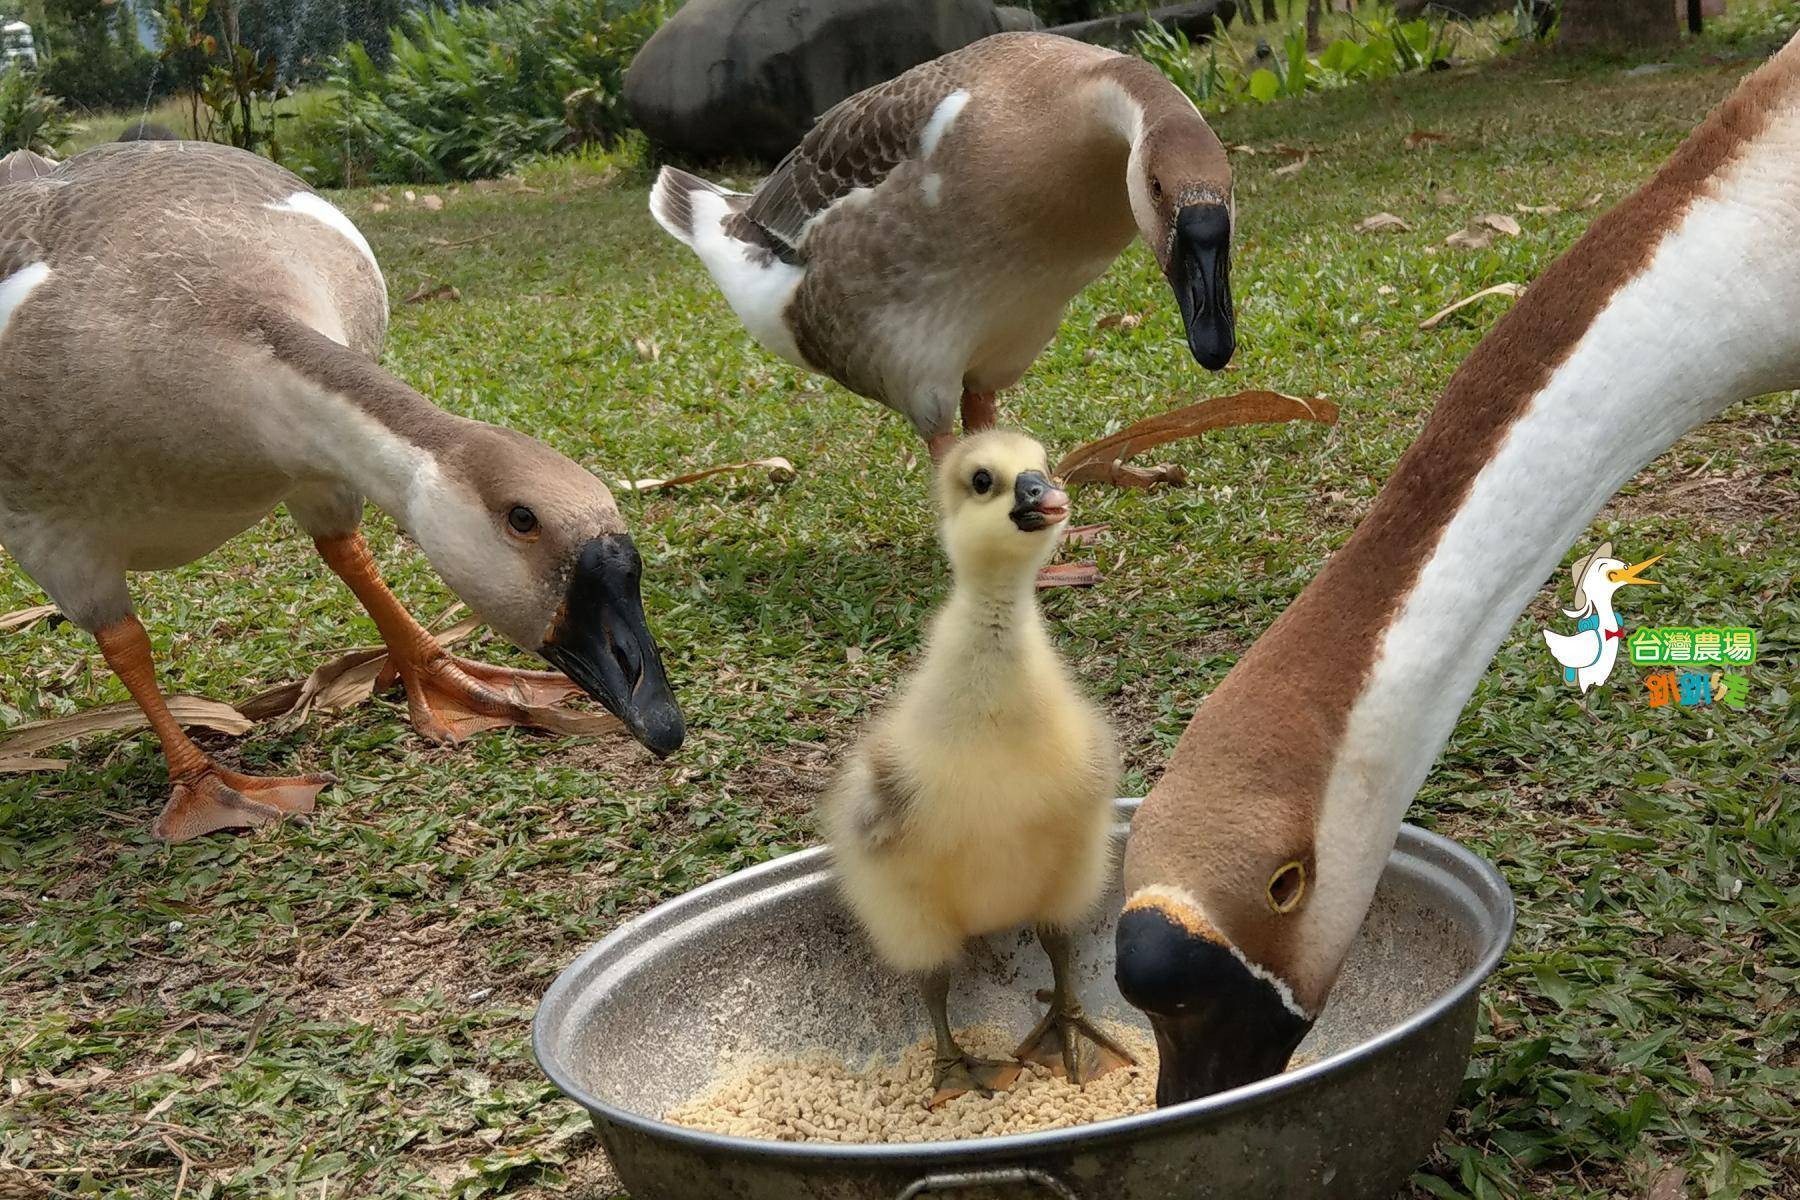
746,78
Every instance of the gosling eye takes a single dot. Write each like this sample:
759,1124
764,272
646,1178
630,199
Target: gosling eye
522,521
1156,187
983,482
1287,886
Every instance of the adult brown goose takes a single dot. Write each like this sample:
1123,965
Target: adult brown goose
187,339
920,244
1254,859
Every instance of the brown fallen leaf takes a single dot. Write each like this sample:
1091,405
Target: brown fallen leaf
1085,535
380,206
431,203
1382,222
1069,574
1471,239
345,681
1515,290
1499,223
1590,202
1104,460
25,618
1539,210
1130,320
426,292
779,470
190,711
1702,1074
1295,166
1447,198
1424,137
19,764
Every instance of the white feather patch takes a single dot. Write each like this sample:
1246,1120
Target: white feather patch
16,287
757,285
307,204
946,112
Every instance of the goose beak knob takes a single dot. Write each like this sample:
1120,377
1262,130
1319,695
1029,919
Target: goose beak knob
1217,1024
600,641
1200,273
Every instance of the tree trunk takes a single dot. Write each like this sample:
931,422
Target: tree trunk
1269,13
1613,26
1313,41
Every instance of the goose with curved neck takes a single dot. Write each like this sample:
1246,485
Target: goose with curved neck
920,244
1254,859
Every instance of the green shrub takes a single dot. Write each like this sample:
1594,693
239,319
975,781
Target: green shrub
466,95
29,119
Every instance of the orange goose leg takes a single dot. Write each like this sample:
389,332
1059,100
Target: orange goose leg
450,698
204,796
977,411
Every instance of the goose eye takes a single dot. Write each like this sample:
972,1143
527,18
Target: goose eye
1287,886
983,482
1156,187
522,521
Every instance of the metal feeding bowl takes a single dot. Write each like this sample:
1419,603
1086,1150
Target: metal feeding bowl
768,961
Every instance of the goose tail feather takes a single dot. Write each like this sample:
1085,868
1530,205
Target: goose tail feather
672,202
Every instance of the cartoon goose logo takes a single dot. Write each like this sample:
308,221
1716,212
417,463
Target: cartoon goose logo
1589,654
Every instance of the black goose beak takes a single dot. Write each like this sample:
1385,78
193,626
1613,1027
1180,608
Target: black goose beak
1037,503
1200,273
601,642
1217,1025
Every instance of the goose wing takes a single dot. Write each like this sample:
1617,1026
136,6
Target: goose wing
854,145
1574,650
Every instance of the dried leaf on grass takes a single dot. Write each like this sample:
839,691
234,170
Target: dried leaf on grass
1382,222
1539,210
779,470
1130,320
426,292
190,711
1103,461
1669,1183
1471,239
1294,167
647,349
1515,290
25,618
18,764
1085,535
1419,138
1069,574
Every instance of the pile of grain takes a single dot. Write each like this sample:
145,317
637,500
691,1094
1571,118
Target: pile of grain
820,1099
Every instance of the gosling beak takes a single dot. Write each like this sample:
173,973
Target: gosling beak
1037,503
1200,273
601,642
1630,574
1217,1025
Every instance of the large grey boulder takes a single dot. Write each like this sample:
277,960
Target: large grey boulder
747,78
1014,19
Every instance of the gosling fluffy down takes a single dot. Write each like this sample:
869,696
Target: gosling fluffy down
982,798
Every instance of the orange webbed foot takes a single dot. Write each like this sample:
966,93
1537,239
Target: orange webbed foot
211,798
453,698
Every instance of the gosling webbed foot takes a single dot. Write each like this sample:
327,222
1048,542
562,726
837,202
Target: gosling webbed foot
961,1074
1071,1045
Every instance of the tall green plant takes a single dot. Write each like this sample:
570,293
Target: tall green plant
29,119
467,94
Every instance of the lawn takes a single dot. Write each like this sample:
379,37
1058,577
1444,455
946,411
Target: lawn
340,1008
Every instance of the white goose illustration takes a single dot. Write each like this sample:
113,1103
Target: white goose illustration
1588,654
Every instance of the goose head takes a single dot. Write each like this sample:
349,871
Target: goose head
1002,513
535,545
1181,199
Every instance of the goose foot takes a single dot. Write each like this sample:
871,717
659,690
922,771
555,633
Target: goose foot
452,698
1057,1042
1071,1045
963,1073
210,798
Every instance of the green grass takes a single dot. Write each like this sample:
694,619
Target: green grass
340,1008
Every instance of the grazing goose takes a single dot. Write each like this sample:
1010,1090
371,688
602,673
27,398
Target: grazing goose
1254,859
982,798
187,339
920,244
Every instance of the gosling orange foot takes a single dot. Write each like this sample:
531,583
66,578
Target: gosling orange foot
1071,1045
453,698
965,1073
210,798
